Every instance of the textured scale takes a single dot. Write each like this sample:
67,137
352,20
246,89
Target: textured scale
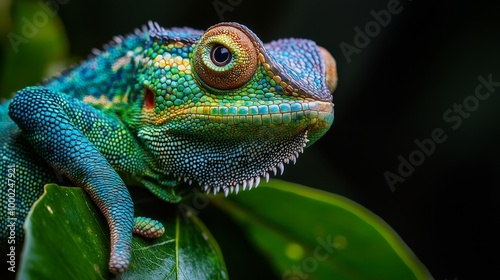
166,109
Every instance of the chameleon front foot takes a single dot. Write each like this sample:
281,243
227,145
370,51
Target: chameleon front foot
148,228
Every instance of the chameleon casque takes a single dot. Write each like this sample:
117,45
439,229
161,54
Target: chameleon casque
164,109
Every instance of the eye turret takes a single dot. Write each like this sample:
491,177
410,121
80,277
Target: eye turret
225,57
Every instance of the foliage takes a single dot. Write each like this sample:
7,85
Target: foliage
301,231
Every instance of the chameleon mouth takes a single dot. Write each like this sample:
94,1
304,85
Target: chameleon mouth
256,146
227,154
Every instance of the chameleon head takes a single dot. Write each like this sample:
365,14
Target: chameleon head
224,110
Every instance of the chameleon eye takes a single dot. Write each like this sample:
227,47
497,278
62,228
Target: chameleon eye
225,57
220,55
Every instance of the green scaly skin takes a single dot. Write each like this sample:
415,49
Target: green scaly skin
217,108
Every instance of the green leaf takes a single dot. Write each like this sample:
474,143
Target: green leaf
312,234
68,238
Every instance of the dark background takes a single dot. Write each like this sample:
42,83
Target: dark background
394,91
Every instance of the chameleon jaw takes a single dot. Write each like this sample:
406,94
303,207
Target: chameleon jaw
226,167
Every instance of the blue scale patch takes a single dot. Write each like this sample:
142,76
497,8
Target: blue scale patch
284,108
274,109
263,110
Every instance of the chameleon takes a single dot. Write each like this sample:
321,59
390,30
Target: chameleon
165,109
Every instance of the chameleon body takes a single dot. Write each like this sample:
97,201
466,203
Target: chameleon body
160,107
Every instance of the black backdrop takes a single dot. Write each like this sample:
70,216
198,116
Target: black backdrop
393,90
